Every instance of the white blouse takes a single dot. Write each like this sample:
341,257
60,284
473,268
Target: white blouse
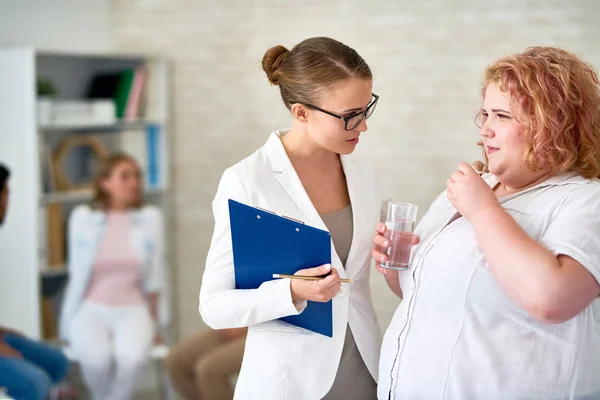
458,336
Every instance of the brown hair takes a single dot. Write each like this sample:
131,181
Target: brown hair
105,169
557,97
312,66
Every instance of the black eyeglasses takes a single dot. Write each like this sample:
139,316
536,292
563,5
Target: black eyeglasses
353,120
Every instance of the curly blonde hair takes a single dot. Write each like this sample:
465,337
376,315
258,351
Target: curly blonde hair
556,96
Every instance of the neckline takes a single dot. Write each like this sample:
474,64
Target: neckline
336,212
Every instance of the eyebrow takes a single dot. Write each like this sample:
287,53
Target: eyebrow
497,110
353,109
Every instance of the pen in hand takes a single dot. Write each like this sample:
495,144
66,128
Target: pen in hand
308,278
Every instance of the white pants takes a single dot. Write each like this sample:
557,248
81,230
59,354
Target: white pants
112,346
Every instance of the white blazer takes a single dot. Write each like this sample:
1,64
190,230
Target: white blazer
85,230
282,361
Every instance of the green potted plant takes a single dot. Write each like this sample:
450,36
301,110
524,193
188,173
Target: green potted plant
46,91
45,88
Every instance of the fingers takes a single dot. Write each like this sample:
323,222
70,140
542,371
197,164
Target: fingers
378,256
380,268
336,290
416,239
466,169
335,275
462,170
336,285
449,185
478,165
331,280
329,287
457,175
320,270
380,241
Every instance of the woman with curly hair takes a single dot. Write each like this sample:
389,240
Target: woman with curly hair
501,296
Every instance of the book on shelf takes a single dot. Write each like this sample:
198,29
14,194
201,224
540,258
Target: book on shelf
48,181
52,235
145,146
126,88
135,97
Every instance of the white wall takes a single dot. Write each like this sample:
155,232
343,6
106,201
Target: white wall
427,57
73,25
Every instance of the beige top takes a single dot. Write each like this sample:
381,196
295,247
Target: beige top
353,380
340,226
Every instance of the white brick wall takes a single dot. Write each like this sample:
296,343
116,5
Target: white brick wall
427,58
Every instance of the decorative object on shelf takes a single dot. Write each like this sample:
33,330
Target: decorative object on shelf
55,236
73,113
126,88
45,88
46,91
96,147
49,179
145,145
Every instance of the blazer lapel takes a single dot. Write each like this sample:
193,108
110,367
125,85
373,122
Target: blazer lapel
359,208
288,178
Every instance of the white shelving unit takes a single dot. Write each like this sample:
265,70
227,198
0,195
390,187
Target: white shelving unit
23,147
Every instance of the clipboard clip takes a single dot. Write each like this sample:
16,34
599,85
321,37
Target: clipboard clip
283,216
293,219
262,209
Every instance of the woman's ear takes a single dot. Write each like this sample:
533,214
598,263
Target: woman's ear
300,112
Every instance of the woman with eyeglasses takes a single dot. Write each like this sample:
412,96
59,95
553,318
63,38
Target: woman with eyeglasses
307,172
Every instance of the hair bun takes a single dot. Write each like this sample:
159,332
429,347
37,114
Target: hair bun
272,61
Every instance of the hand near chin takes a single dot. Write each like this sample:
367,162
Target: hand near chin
469,193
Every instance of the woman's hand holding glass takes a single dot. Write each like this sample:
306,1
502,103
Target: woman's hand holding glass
381,242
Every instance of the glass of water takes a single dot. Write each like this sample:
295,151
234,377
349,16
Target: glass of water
400,222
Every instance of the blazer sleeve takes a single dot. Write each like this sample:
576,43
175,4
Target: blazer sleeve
221,304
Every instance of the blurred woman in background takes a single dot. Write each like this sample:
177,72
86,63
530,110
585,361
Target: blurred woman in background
116,269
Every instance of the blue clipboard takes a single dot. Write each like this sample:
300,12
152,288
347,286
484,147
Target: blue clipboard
265,243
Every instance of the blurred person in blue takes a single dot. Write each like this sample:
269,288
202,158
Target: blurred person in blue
114,306
28,368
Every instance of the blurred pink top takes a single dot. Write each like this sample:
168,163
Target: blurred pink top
116,273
